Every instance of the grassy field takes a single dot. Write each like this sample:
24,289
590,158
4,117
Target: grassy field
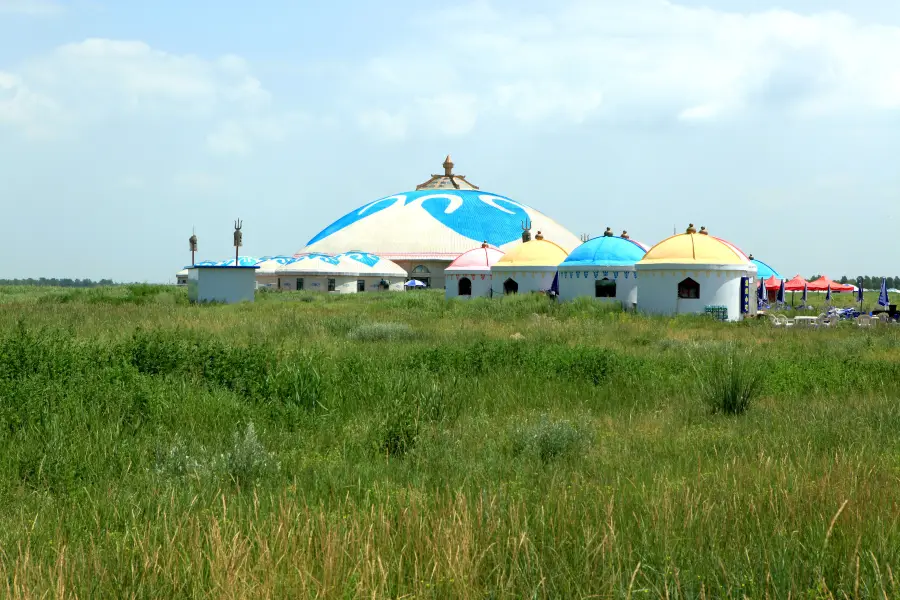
387,446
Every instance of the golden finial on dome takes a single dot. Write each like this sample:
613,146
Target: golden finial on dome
703,230
484,244
608,232
448,167
624,235
691,228
750,257
539,236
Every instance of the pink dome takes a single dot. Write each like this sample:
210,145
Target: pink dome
476,259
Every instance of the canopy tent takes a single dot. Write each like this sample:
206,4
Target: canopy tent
795,285
773,284
822,283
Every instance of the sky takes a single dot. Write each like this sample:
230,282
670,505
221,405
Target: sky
125,125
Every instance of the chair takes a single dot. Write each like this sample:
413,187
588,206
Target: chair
822,320
865,321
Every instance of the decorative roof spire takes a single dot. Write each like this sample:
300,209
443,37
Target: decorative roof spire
608,232
691,228
484,244
624,235
703,230
448,167
750,257
539,236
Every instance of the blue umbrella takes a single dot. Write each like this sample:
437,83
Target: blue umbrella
828,293
415,283
554,287
859,293
883,299
780,297
761,294
805,294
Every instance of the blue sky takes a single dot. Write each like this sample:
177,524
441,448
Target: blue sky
123,125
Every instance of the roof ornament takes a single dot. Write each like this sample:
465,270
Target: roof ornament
526,231
691,228
238,240
539,236
484,244
585,237
608,232
750,257
448,167
624,235
703,230
193,242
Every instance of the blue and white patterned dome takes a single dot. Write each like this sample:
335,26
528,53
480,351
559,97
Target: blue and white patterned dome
436,223
605,251
351,264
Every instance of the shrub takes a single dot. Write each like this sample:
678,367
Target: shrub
548,439
382,332
730,382
247,459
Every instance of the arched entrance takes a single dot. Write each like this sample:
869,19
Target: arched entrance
465,287
510,286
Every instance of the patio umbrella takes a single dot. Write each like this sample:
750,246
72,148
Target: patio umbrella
805,295
859,295
554,287
828,294
761,294
415,283
883,299
780,297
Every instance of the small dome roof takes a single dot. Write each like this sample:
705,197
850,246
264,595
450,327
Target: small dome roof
536,253
482,258
353,264
764,271
269,264
606,250
694,249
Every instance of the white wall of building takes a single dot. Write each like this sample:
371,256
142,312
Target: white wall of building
342,284
530,279
481,283
228,285
718,287
576,282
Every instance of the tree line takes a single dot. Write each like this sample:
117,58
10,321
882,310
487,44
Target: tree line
54,282
873,282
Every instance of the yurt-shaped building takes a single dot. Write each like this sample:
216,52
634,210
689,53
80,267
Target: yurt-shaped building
696,273
346,273
267,272
528,267
470,274
602,268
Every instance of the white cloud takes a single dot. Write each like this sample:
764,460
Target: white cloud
31,8
89,84
607,59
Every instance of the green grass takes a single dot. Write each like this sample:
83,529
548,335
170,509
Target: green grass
397,445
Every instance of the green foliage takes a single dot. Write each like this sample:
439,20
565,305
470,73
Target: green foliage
730,381
398,445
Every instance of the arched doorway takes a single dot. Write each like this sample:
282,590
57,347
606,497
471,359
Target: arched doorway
510,286
465,287
423,274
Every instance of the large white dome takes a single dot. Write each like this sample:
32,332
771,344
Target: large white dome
443,218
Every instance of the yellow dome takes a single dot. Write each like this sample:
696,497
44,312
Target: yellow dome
694,249
536,253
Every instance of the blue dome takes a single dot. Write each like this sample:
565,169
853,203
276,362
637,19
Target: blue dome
610,251
764,271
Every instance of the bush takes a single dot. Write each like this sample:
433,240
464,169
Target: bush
731,382
548,439
247,459
382,332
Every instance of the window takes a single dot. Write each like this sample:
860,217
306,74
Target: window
420,269
604,288
331,285
360,285
299,283
689,289
510,287
465,287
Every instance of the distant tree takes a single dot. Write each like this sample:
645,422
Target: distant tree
65,282
844,279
